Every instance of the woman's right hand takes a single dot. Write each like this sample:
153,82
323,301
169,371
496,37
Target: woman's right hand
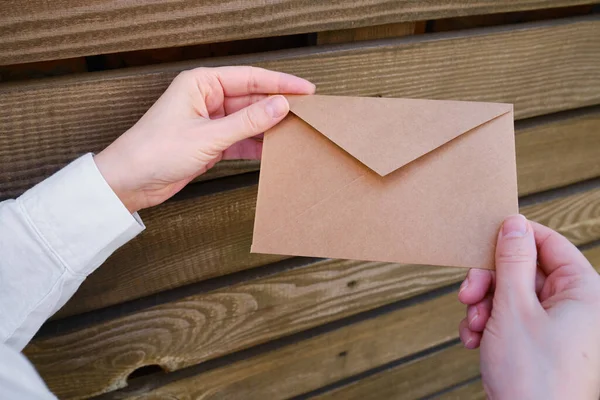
536,318
205,115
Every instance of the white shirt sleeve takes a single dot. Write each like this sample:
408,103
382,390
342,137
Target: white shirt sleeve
18,378
51,238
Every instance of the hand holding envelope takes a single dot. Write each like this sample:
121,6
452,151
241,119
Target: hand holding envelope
394,180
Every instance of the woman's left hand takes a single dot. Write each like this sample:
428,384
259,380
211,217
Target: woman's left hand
206,114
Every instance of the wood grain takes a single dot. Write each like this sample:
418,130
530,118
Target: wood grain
44,125
198,328
577,216
470,391
327,358
558,152
195,239
414,380
39,30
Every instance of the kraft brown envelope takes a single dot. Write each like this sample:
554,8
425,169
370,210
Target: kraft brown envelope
396,180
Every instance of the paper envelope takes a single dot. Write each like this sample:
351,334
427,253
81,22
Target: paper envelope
395,180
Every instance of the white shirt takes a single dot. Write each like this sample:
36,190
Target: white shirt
51,239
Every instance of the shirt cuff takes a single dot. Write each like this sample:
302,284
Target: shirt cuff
79,217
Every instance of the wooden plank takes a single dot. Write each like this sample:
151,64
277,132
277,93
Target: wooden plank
415,380
202,327
366,33
45,124
195,239
558,152
101,365
38,30
577,216
482,20
470,391
198,328
330,357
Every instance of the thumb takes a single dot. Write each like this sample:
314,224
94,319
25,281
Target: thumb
249,121
516,262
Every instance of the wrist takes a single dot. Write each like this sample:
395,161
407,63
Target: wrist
113,175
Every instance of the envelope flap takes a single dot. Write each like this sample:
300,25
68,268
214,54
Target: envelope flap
386,134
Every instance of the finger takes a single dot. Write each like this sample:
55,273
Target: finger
247,149
247,122
233,104
470,339
475,286
238,81
555,251
479,314
516,263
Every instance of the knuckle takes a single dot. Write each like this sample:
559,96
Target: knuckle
185,76
253,84
192,76
514,258
516,252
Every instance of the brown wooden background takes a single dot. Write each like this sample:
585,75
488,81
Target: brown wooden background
185,311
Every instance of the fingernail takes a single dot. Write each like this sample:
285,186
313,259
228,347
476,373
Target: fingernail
469,340
464,285
514,226
277,106
472,321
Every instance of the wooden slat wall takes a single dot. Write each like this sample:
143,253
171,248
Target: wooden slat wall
354,349
339,354
40,30
61,118
302,327
570,142
197,328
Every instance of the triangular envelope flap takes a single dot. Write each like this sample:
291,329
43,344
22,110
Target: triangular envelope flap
386,133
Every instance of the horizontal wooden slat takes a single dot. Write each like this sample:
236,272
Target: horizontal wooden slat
316,362
38,30
191,240
577,216
205,326
415,380
43,125
559,152
470,391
